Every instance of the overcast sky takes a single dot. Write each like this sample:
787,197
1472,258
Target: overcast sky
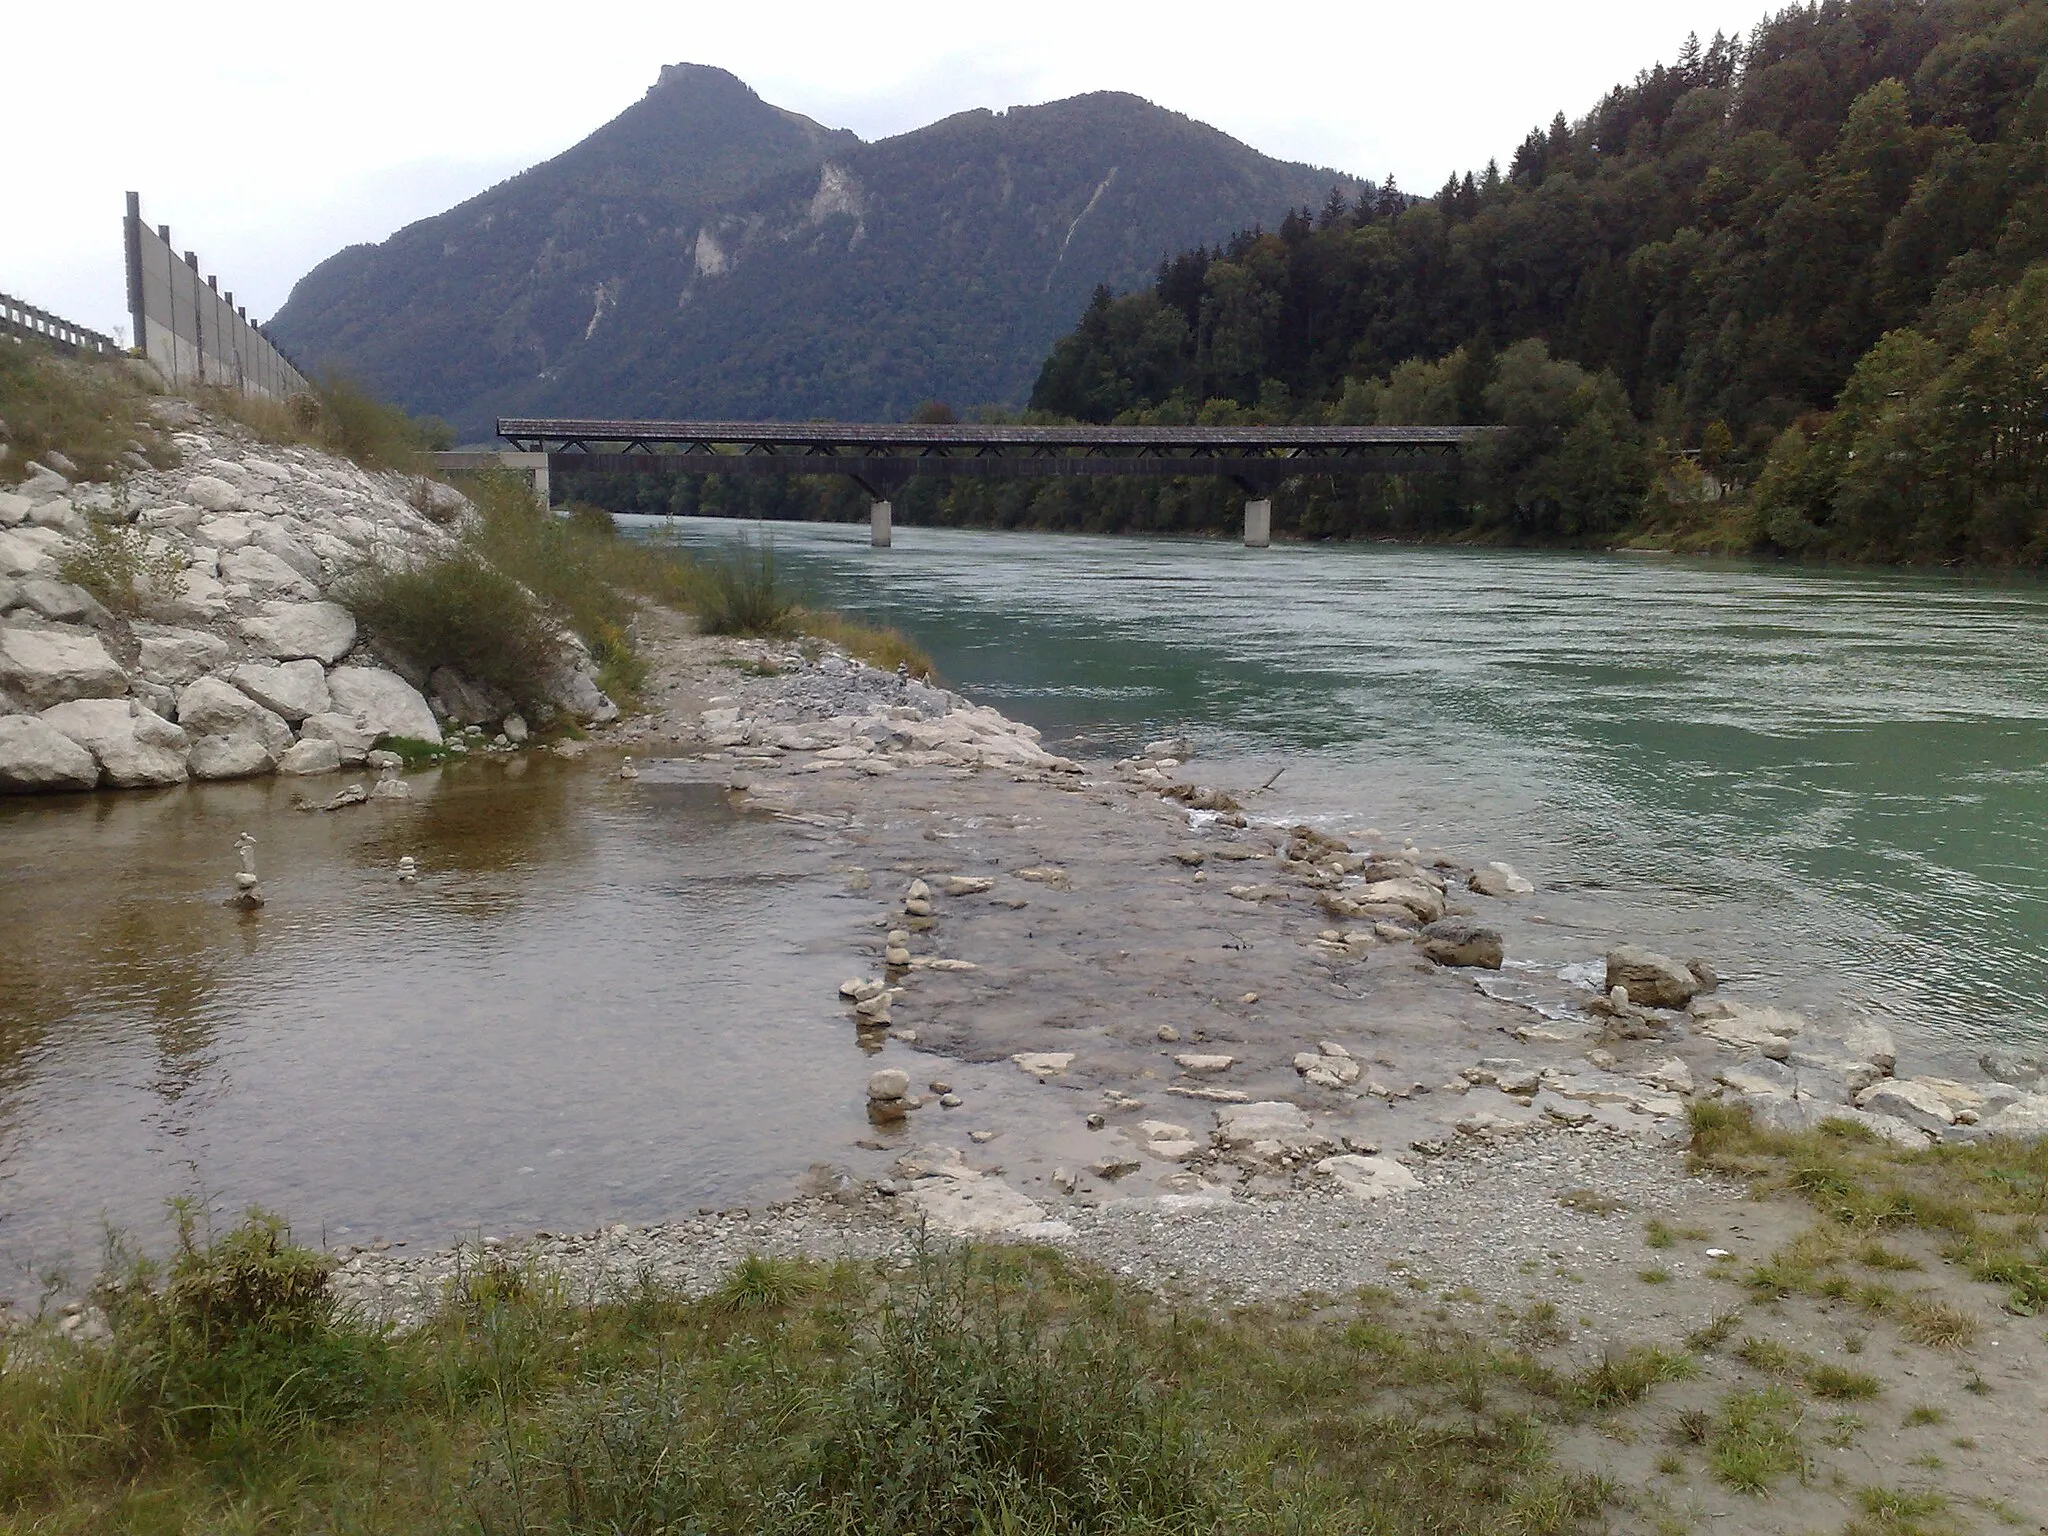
269,136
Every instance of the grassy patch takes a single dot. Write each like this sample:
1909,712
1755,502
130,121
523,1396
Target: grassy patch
1005,1391
1591,1202
1753,1441
458,611
740,594
877,645
1822,1379
1986,1204
92,410
338,417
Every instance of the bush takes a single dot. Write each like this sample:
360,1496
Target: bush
120,565
238,1347
460,612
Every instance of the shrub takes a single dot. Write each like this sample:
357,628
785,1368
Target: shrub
457,611
121,565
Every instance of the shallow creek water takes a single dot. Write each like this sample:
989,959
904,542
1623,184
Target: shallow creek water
603,1001
1832,784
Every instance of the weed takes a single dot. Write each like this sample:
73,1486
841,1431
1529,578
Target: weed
94,411
759,1284
1657,1235
1713,1335
1654,1276
121,565
1936,1324
1924,1413
1838,1384
1628,1376
742,595
1842,1430
1754,1441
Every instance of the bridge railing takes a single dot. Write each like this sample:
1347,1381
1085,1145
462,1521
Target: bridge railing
19,318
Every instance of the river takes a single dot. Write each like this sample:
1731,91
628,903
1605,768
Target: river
609,1002
1832,784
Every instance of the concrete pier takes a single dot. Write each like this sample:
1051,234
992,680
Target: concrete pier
880,519
1258,524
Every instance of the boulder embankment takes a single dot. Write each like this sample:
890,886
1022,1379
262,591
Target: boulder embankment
230,650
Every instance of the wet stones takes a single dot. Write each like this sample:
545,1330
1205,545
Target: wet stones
1330,1065
968,885
1767,1031
1459,941
1650,979
888,1095
1044,1064
1499,880
1203,1064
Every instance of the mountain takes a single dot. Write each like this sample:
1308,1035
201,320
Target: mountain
1813,262
706,254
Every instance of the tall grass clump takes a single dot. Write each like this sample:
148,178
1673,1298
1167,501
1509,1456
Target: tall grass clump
459,611
340,417
93,410
741,594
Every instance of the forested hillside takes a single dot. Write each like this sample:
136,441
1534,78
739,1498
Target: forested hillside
1809,264
1786,295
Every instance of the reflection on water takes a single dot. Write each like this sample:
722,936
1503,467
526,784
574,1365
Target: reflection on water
1832,782
602,1001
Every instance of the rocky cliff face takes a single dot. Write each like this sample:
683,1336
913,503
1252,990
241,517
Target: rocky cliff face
707,254
241,661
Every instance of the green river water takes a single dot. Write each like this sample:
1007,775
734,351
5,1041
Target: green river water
1830,783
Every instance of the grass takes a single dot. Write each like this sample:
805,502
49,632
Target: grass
1832,1382
338,417
1986,1205
968,1393
92,410
1752,1443
461,611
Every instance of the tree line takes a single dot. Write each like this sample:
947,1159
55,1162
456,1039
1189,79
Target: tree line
1788,293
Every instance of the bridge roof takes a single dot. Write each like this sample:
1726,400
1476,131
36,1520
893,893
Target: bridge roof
895,438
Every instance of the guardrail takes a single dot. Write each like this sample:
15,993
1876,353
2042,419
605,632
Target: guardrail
19,318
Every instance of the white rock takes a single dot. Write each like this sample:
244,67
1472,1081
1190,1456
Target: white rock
1368,1178
59,601
1272,1120
313,755
287,631
1768,1031
1418,896
174,656
276,541
1671,1073
193,595
35,755
1042,1064
13,509
49,666
1201,1062
2026,1116
386,703
228,757
135,747
1499,879
352,739
1652,980
888,1084
264,574
212,493
30,551
1917,1104
979,1208
211,706
293,689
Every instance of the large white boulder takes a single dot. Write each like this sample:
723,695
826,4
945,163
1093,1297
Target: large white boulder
135,746
214,707
35,755
278,541
313,755
293,689
212,493
50,666
1368,1178
386,703
175,656
228,757
263,574
352,739
572,690
30,551
288,631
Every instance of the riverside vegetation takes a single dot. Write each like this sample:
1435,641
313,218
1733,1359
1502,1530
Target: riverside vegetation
167,620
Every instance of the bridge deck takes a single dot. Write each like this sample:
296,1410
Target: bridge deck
892,439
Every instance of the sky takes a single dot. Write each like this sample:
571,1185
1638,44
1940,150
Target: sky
270,136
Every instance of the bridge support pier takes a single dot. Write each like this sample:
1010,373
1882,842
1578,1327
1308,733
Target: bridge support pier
881,518
1258,524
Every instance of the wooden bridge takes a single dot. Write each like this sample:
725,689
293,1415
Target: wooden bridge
883,457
